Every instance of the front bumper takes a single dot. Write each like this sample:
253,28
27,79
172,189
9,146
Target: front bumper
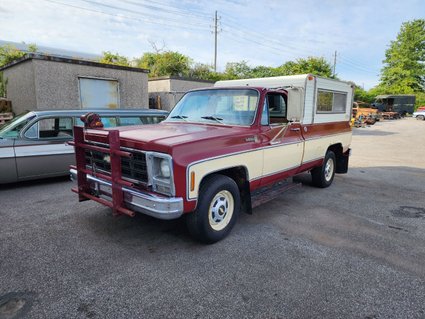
138,201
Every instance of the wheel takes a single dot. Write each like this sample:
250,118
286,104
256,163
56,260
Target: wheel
217,210
323,176
420,117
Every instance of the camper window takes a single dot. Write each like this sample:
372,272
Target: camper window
331,102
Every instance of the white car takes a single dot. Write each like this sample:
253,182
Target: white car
419,115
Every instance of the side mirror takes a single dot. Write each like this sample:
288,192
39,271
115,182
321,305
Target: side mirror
295,104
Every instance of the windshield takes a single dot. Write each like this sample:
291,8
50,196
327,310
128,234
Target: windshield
12,129
225,106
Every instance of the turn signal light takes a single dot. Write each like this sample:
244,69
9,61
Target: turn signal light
192,181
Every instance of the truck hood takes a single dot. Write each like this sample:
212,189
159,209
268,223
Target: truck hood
185,142
172,134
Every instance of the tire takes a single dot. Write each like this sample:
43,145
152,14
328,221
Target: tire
324,175
420,117
217,210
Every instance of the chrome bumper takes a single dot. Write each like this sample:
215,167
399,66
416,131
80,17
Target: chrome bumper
155,206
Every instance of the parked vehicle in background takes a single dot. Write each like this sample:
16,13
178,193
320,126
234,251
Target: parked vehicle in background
364,115
402,104
33,144
221,150
419,115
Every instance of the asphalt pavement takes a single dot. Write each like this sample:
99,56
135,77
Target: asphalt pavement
354,250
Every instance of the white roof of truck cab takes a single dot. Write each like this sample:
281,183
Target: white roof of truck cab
277,81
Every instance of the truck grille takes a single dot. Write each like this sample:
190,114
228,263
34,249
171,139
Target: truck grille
133,169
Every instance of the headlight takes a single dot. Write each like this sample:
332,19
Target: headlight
160,173
165,168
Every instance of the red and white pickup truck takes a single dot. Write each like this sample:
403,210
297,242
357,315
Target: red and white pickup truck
221,150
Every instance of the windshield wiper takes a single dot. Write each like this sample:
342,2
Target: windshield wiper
181,117
213,118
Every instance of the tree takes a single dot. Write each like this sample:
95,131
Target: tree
262,71
288,68
420,99
10,53
404,68
3,85
314,65
237,70
205,72
165,63
114,58
363,96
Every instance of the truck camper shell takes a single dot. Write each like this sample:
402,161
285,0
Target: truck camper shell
333,103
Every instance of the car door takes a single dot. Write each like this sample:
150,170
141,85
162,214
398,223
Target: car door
42,149
7,161
282,141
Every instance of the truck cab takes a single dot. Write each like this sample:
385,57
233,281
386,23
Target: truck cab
218,149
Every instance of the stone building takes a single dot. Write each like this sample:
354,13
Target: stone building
165,92
52,82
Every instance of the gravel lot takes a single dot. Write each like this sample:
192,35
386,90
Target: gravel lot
354,250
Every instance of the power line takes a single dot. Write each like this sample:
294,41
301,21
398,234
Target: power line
169,8
95,3
358,66
127,17
286,35
271,49
275,45
279,45
350,67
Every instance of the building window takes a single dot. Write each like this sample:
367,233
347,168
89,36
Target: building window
331,102
98,93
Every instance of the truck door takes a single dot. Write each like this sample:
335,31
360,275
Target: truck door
282,140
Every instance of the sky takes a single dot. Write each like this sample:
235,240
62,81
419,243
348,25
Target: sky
267,33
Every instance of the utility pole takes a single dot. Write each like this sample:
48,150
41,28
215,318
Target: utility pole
334,67
215,40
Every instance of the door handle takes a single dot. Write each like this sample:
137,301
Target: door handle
295,129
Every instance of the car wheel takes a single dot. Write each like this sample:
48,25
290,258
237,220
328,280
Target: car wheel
323,176
420,117
217,210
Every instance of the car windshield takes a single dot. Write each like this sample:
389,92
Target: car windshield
223,106
12,129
